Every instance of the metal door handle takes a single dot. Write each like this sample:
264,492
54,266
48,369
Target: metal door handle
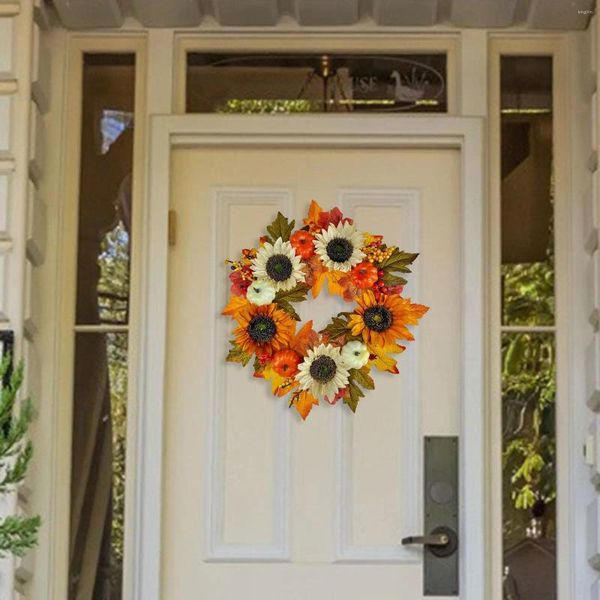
434,539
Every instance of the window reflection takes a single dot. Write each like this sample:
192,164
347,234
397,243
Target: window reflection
271,83
528,352
100,370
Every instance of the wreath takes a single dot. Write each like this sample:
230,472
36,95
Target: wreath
335,363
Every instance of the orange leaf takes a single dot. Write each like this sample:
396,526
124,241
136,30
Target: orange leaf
306,338
303,402
342,285
235,305
313,213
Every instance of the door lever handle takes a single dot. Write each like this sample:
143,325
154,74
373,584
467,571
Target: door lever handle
433,539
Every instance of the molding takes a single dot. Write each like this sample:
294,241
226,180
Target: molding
217,550
9,9
592,241
30,329
357,131
592,161
8,86
410,446
7,164
593,532
592,373
41,15
6,246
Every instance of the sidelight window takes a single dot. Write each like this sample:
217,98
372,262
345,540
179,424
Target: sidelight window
528,347
99,446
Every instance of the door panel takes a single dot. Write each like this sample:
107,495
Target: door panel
257,502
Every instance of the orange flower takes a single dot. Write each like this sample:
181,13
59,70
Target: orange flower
263,330
364,275
285,362
382,320
303,243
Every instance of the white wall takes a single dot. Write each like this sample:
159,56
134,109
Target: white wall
24,99
585,264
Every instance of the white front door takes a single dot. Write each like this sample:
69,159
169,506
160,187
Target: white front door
257,503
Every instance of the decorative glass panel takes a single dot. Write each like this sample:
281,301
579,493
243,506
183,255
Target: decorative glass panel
287,83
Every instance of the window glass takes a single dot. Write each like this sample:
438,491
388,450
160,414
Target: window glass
528,335
271,83
99,442
105,190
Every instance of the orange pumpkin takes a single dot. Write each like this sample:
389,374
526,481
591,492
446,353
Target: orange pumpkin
303,243
364,275
285,362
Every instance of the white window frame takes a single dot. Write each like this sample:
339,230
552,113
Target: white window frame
555,47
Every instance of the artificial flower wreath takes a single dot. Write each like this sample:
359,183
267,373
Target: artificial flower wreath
334,363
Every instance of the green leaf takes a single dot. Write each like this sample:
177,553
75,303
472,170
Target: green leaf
18,534
288,308
353,397
337,328
297,294
258,368
280,228
237,355
393,280
362,377
398,261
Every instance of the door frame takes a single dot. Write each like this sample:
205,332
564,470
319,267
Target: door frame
168,132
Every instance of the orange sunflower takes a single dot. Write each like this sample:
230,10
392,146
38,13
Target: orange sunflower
263,330
383,319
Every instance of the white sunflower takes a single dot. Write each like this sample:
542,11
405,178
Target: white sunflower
322,372
279,264
355,354
261,292
339,248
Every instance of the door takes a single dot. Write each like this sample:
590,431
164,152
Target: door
257,503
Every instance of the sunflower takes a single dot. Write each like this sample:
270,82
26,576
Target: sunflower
339,247
383,319
279,264
263,330
322,373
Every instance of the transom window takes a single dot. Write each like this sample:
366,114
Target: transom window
285,83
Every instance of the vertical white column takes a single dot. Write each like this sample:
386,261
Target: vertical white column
142,574
473,73
585,358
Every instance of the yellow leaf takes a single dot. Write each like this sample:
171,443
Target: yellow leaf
304,402
369,238
280,386
383,361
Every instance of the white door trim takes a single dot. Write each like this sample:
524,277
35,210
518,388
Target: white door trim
368,131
